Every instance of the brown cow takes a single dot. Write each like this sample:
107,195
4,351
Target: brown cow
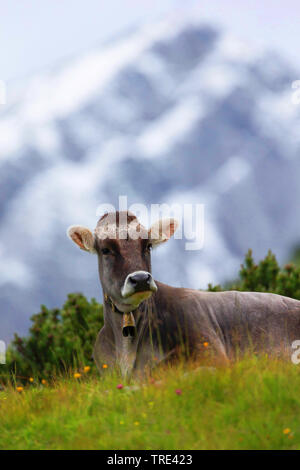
146,322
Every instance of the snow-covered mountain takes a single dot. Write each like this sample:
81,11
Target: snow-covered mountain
174,112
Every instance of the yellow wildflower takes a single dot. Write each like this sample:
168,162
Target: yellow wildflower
19,389
77,375
44,382
104,366
86,369
31,379
286,431
136,423
205,344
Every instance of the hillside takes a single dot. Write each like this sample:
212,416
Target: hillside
254,404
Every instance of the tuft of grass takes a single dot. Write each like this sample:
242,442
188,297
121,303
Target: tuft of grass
250,404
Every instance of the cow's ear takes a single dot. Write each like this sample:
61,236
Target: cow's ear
83,237
162,230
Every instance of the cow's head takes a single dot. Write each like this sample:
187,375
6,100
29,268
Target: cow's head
123,247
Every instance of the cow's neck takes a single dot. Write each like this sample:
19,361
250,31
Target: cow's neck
126,346
128,319
115,318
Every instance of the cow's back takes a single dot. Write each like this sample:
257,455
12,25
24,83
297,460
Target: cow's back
257,320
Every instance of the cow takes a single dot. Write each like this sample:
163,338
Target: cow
147,322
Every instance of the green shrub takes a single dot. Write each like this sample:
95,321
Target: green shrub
266,276
59,339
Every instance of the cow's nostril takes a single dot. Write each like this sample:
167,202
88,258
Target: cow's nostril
140,280
139,277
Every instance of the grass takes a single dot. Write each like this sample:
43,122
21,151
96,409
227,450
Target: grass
252,404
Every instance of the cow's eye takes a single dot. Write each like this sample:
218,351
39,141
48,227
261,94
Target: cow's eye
149,246
105,251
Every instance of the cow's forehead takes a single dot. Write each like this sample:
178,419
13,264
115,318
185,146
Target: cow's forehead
120,225
113,231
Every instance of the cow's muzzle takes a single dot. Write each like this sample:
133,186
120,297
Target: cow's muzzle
138,282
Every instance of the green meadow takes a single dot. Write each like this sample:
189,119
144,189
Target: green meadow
251,404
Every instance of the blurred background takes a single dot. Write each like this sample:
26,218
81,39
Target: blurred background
162,101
